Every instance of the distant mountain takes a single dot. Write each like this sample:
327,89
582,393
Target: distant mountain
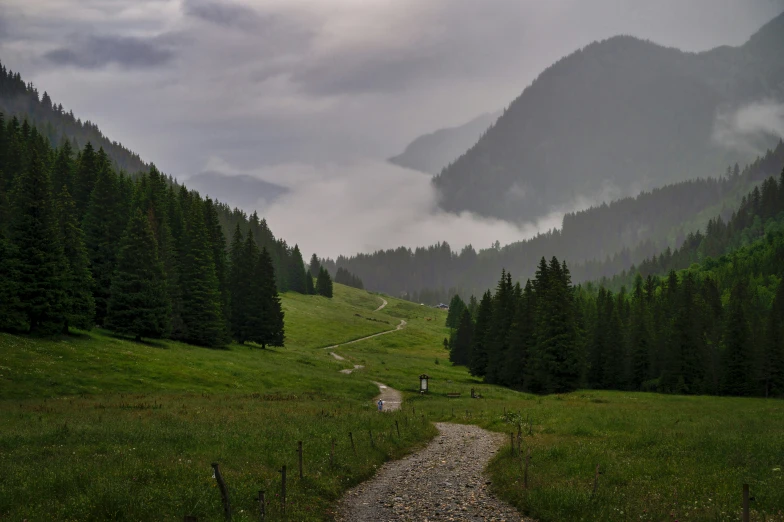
623,113
598,242
238,191
432,152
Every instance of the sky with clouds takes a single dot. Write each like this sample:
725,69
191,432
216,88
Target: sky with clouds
315,93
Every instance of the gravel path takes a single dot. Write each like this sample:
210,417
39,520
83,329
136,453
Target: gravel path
383,304
336,356
399,327
391,397
356,367
444,481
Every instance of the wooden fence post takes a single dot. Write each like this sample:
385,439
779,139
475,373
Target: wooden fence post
262,505
224,491
351,437
398,429
299,451
746,513
372,444
511,439
596,480
525,472
283,489
332,454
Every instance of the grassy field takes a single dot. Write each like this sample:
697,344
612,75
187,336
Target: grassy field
93,427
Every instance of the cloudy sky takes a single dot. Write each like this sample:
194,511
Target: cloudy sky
313,94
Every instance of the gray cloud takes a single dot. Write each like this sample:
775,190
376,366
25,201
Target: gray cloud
93,52
222,13
330,86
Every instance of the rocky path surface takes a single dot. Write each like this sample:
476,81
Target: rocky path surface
392,398
444,481
383,304
399,327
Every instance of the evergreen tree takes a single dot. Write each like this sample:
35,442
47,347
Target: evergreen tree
240,273
773,353
456,308
10,307
138,305
88,170
217,243
504,303
310,289
203,322
272,328
738,364
315,266
40,263
478,361
460,346
324,283
296,272
80,306
103,224
516,371
640,336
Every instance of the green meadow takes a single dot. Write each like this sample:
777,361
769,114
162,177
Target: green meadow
95,427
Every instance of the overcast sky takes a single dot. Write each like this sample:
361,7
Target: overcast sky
302,92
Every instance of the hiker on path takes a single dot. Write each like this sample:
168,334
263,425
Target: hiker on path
380,405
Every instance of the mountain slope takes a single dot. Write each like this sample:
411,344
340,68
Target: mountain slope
432,152
598,242
622,112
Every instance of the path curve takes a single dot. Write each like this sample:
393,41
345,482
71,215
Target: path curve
444,481
383,304
402,324
392,398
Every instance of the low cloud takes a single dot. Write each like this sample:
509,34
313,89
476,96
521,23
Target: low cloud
222,13
94,52
751,127
370,205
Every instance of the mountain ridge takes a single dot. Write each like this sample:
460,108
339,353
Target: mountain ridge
622,111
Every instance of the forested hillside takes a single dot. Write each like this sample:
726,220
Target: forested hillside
713,328
599,242
23,100
83,245
622,112
432,152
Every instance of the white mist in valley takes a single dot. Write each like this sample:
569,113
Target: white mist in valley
369,205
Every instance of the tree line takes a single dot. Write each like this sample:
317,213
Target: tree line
83,245
712,328
599,242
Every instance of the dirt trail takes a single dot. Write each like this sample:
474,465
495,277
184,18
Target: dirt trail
391,397
356,367
444,481
336,356
399,327
383,304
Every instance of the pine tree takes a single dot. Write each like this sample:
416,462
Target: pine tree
296,271
80,305
324,283
456,308
10,307
138,305
738,364
103,225
310,288
88,170
315,266
217,243
516,371
640,336
272,331
203,322
478,361
773,352
460,346
240,274
40,262
63,171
